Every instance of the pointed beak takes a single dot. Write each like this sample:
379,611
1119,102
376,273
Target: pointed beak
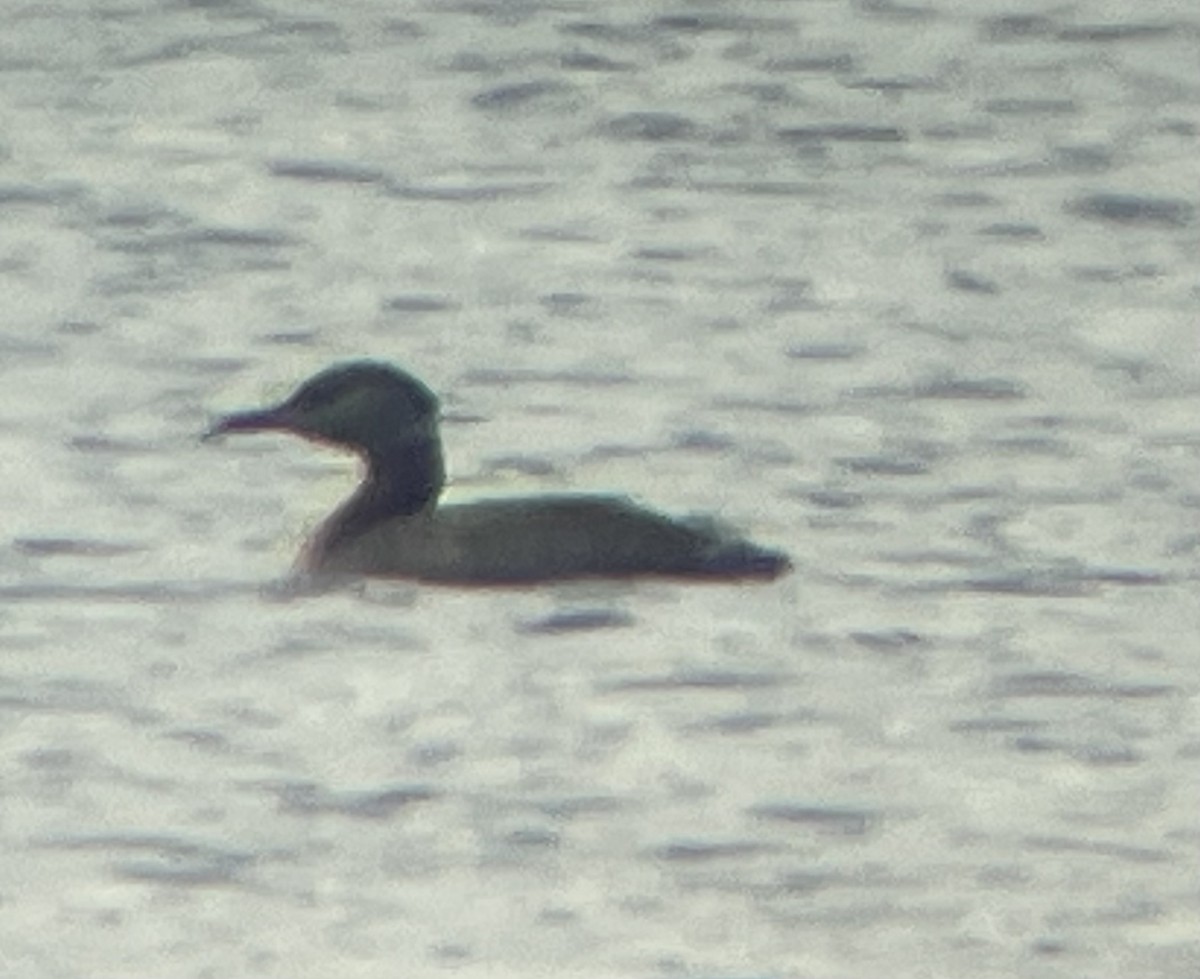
265,420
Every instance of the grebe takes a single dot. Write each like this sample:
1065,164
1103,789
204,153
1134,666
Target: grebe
393,525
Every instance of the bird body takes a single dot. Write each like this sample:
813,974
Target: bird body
535,539
394,526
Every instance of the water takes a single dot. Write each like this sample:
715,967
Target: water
907,291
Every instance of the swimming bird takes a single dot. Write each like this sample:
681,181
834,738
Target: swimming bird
394,526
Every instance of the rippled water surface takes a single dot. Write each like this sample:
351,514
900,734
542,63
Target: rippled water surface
908,291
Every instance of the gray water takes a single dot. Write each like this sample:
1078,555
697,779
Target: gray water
906,290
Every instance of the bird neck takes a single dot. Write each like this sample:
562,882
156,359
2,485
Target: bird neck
403,478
